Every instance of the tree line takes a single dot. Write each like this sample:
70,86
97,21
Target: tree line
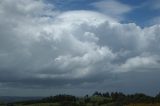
97,99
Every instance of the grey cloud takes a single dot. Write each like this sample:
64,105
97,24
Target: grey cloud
43,48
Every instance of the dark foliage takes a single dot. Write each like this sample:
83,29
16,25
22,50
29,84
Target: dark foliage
59,98
112,99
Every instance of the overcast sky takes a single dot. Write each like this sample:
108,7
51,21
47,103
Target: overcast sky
77,47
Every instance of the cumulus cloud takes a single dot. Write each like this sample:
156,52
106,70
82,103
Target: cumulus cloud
42,47
140,62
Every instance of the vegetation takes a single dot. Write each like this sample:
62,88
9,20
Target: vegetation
97,99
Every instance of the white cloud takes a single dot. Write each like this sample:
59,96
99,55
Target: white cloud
71,46
156,4
155,20
141,63
151,4
113,7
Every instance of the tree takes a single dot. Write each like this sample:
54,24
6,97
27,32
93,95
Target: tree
158,95
106,94
97,94
157,98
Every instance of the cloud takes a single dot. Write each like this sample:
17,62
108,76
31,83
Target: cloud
155,20
156,5
44,48
144,63
153,5
113,7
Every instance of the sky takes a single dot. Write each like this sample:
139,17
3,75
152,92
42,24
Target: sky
50,47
